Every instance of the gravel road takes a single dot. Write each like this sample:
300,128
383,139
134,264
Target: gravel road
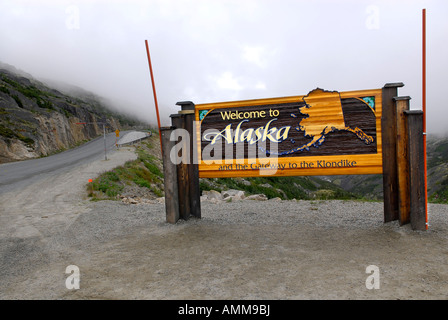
239,250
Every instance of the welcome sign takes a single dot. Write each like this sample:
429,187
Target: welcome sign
321,133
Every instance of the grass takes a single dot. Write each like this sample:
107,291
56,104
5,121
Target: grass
4,89
31,92
143,172
441,196
10,134
18,101
108,183
6,132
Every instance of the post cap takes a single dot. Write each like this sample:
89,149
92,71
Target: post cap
394,85
185,105
402,98
166,128
408,112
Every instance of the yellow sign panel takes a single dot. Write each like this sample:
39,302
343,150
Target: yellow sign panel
117,133
321,133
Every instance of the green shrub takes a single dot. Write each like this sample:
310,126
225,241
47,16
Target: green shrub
112,176
153,169
158,192
4,89
11,82
44,104
142,183
441,196
108,183
18,101
28,141
7,133
142,173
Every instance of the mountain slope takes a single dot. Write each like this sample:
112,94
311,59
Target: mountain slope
438,169
371,186
37,120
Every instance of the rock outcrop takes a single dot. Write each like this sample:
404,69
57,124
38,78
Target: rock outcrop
36,120
230,195
207,196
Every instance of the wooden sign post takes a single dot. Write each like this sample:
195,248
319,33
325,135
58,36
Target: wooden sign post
170,177
187,110
416,172
404,209
320,133
178,122
389,128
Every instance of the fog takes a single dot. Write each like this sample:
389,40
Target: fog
209,51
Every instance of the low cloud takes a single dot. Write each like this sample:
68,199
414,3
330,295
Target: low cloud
208,51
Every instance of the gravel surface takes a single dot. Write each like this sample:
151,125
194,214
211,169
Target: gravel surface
239,250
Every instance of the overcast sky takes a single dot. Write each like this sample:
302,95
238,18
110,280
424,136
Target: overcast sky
220,50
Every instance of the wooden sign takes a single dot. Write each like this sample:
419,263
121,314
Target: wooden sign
321,133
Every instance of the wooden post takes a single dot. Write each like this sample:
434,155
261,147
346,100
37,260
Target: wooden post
178,121
193,167
404,205
389,142
416,169
170,177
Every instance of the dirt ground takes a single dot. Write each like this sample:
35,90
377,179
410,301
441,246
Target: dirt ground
239,250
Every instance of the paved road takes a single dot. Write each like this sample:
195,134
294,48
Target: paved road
18,174
132,137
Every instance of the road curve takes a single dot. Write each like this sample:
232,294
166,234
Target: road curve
16,174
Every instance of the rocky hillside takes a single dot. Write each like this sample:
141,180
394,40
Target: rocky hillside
437,149
37,120
371,186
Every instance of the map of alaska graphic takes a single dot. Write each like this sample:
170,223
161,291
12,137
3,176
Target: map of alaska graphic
317,124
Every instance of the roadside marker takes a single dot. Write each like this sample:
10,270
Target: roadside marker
424,111
154,91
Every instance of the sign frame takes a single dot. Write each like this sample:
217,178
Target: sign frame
291,165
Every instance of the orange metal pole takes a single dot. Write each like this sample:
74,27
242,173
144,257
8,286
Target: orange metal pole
154,91
424,108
